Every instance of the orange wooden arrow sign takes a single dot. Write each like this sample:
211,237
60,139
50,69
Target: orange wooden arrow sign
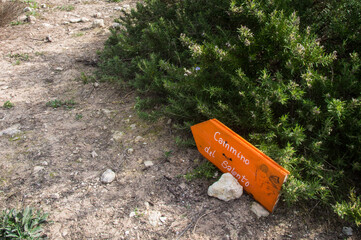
259,175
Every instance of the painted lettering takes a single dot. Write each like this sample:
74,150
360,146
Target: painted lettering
235,174
230,148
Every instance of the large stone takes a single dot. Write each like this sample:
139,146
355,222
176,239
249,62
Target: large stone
11,131
226,188
347,231
260,211
98,23
108,176
154,218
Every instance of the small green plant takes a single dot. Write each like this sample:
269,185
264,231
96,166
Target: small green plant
23,224
20,56
68,104
138,214
78,34
8,105
86,78
31,3
67,8
78,116
167,154
14,23
204,170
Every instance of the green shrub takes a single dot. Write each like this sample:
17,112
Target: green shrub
24,224
259,68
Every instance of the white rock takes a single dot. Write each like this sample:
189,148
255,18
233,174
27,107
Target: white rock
139,139
130,151
43,5
153,218
132,214
347,231
133,126
97,15
108,176
59,69
118,8
163,219
126,6
107,112
116,25
23,18
84,19
118,136
259,210
94,154
55,196
226,188
148,163
75,20
98,23
38,169
48,39
44,163
31,19
11,131
28,9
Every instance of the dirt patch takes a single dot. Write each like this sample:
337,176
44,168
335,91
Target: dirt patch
55,158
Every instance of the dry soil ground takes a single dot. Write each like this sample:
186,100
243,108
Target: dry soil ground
55,157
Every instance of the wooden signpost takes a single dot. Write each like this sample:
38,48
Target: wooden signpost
259,175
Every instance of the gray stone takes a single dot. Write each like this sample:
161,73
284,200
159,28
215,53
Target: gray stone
108,176
22,18
133,126
98,23
139,139
55,196
260,211
84,19
75,20
31,19
44,163
11,131
118,135
38,169
48,39
226,188
347,231
148,163
96,84
94,154
116,25
28,9
97,15
154,218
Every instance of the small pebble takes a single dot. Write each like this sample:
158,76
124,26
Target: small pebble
108,176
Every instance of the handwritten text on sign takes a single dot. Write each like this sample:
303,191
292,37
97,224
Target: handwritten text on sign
256,172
